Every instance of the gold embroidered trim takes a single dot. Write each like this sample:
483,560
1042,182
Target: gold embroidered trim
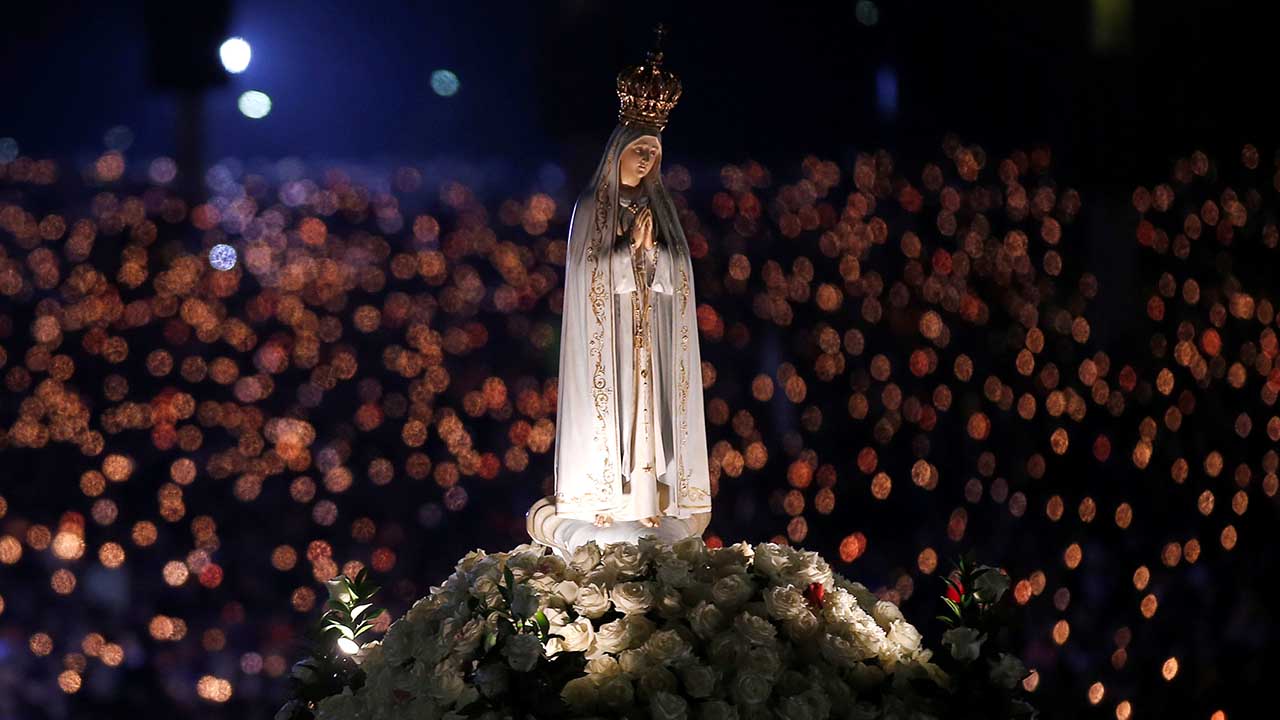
599,384
681,472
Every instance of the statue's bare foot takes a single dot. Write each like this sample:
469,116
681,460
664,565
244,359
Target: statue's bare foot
653,521
603,520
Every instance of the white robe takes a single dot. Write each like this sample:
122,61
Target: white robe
645,414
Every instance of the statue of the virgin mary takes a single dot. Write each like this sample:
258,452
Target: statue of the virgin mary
631,446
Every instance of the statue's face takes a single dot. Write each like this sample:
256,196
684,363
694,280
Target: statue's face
638,158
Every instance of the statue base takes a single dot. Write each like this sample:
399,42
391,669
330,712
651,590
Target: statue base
564,535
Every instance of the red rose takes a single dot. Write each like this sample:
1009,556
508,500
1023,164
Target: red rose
814,594
955,590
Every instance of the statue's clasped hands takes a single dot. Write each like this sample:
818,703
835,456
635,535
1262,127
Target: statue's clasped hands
642,233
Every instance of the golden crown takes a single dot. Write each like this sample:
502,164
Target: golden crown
646,92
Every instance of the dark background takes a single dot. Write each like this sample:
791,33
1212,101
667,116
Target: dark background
1116,100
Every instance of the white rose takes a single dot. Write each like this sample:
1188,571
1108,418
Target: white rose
625,558
668,706
467,640
842,652
592,601
818,701
785,603
727,648
581,693
699,680
611,637
670,603
632,597
809,567
736,556
553,646
634,662
864,676
905,636
1008,671
486,591
803,627
794,708
639,628
617,692
586,557
556,617
491,679
578,635
567,590
398,643
751,688
551,564
667,647
602,667
839,606
754,628
717,710
692,550
445,683
675,572
706,620
770,559
522,652
657,679
885,613
764,660
732,591
965,643
523,563
543,584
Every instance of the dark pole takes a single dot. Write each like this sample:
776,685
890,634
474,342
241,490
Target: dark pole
182,43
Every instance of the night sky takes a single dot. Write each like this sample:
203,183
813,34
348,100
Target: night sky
988,276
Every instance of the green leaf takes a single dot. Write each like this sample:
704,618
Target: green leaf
544,625
358,610
954,607
490,639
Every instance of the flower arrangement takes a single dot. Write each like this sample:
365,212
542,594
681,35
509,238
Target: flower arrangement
646,630
987,677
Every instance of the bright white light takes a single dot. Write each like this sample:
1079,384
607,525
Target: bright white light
222,256
255,104
348,646
235,54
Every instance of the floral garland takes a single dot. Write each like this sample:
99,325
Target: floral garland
645,630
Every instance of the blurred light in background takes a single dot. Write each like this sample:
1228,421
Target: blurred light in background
867,12
887,92
235,54
444,83
254,104
222,256
8,150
